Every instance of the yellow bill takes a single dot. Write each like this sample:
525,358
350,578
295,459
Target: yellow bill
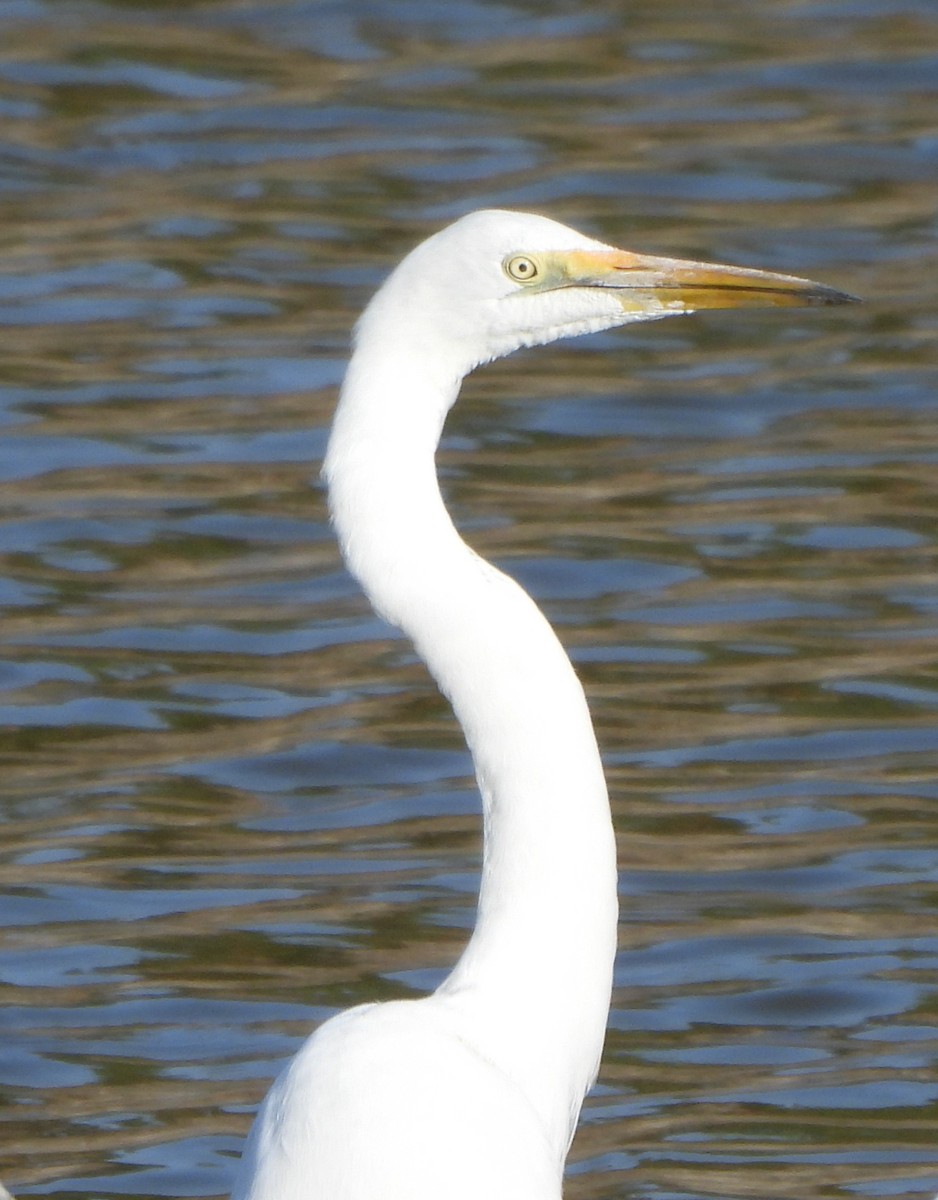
645,283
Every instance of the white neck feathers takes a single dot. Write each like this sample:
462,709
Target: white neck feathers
534,981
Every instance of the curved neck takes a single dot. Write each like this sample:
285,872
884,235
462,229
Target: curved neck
532,988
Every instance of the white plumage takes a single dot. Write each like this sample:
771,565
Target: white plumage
473,1093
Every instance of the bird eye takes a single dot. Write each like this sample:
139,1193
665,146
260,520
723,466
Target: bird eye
521,268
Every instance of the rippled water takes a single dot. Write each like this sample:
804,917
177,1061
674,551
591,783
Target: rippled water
232,800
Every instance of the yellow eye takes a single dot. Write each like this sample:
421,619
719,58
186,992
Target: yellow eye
521,268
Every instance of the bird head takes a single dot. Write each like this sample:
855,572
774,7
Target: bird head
495,281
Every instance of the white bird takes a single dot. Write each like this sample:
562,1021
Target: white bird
473,1092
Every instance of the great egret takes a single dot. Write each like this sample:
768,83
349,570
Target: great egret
473,1092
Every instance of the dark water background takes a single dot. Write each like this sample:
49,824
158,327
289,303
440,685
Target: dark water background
231,799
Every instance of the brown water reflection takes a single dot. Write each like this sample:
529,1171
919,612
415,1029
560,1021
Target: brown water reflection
233,802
